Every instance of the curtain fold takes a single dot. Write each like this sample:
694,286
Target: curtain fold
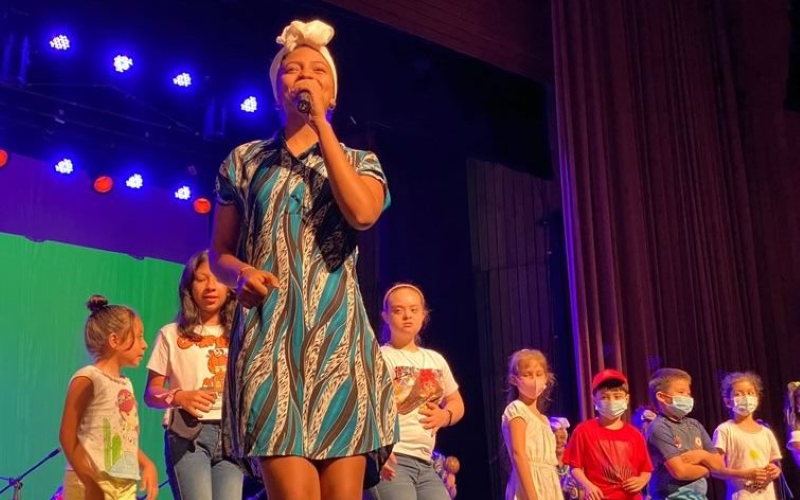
659,235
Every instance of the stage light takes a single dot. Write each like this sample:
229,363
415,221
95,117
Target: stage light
184,193
103,184
3,158
135,181
60,42
249,105
64,166
202,206
122,63
182,80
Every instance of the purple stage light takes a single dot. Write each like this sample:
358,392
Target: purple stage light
183,193
60,42
183,80
135,181
64,166
122,63
249,105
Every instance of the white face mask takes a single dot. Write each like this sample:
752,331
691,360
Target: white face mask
612,409
681,405
745,405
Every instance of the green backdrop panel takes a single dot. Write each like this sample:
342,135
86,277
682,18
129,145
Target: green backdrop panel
44,289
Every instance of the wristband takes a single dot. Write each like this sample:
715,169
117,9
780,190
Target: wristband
169,397
450,419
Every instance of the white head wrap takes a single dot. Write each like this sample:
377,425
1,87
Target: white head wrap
314,34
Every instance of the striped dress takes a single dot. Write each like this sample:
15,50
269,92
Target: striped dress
305,374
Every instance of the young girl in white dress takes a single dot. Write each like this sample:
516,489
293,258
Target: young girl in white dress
530,442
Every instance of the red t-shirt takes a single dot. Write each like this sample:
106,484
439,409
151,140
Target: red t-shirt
608,457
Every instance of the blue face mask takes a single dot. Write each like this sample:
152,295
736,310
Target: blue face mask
681,405
612,409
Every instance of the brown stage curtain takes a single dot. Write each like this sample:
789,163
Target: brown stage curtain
660,247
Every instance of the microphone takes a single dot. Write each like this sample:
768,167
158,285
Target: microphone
303,102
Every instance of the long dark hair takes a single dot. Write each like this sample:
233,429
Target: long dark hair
188,318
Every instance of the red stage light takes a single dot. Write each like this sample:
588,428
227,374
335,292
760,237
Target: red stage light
103,184
202,206
3,158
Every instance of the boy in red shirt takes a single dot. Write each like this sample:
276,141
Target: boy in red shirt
609,457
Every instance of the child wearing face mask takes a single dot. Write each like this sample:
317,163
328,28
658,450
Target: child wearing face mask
752,455
609,456
529,437
679,446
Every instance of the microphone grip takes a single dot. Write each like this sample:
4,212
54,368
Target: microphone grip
303,102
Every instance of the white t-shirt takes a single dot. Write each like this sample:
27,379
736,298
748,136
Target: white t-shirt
747,450
109,431
418,377
192,365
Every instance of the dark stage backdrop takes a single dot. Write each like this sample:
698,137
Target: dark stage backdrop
522,45
519,276
424,238
679,179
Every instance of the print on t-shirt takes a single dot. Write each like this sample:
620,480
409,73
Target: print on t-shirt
413,387
217,363
614,456
121,437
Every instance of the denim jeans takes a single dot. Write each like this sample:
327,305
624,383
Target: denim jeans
413,479
197,470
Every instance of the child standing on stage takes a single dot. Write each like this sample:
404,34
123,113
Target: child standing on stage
752,455
100,424
679,445
609,456
530,441
186,377
427,399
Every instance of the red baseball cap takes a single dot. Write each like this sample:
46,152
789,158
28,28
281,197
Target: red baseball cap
606,375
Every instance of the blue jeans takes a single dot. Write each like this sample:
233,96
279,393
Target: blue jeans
197,470
413,479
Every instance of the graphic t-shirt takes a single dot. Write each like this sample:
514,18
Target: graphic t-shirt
666,439
419,377
608,457
747,450
109,431
192,365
